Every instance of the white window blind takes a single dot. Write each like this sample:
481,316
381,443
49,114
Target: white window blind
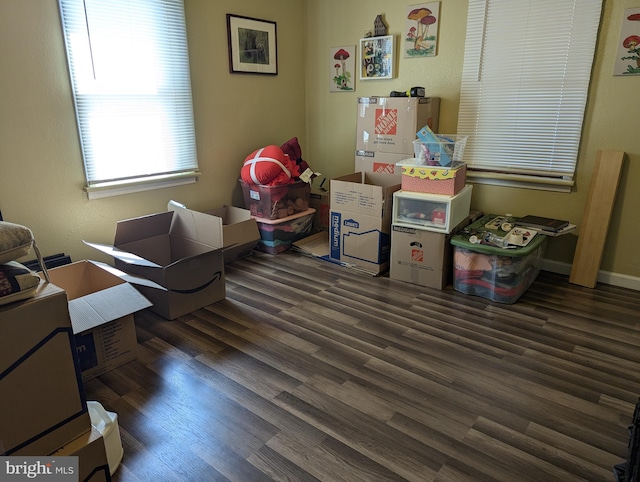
129,69
525,81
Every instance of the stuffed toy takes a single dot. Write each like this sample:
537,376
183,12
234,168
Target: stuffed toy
269,166
293,150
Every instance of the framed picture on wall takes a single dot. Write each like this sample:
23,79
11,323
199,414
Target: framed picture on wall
628,54
421,30
252,45
377,58
342,62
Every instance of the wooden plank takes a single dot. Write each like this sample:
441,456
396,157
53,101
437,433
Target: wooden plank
597,216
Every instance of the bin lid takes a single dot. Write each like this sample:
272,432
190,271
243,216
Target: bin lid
462,240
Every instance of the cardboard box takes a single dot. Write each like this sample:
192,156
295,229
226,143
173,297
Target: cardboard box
320,202
173,250
390,124
238,232
43,405
422,257
379,162
360,220
417,177
101,305
92,456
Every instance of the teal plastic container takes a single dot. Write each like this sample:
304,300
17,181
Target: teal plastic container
498,274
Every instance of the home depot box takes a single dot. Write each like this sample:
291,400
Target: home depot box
42,402
101,305
389,124
360,219
92,456
379,162
422,257
237,232
173,250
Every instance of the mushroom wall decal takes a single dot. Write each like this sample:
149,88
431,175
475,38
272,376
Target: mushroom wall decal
337,66
341,55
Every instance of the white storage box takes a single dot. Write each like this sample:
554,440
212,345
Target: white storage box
107,424
433,212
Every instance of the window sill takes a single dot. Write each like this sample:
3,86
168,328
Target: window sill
118,188
520,181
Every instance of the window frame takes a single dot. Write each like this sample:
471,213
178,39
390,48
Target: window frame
129,66
514,129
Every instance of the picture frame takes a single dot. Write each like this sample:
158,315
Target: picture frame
252,45
342,68
420,37
628,49
377,57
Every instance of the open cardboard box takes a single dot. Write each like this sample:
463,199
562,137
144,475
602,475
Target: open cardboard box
360,219
101,306
174,249
239,232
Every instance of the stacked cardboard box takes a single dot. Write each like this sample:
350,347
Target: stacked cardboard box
386,129
43,404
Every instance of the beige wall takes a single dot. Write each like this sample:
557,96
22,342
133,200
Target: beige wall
612,115
41,175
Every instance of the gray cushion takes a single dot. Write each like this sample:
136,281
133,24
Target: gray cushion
15,241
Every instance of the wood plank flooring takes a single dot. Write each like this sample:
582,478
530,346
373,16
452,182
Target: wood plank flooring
310,371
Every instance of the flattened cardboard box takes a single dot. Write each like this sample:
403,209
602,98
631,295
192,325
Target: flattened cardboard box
390,124
101,305
43,405
172,249
360,220
239,232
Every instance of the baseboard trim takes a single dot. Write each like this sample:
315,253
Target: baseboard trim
606,277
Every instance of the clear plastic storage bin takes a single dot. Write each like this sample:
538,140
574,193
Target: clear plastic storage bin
498,274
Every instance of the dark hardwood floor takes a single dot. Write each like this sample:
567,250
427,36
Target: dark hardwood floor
310,371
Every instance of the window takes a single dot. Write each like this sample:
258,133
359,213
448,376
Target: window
524,88
129,68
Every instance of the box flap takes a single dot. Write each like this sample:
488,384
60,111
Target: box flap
197,226
125,256
105,306
383,180
235,215
129,278
135,229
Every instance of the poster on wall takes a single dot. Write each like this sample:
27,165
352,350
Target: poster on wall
421,30
341,68
377,58
628,53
